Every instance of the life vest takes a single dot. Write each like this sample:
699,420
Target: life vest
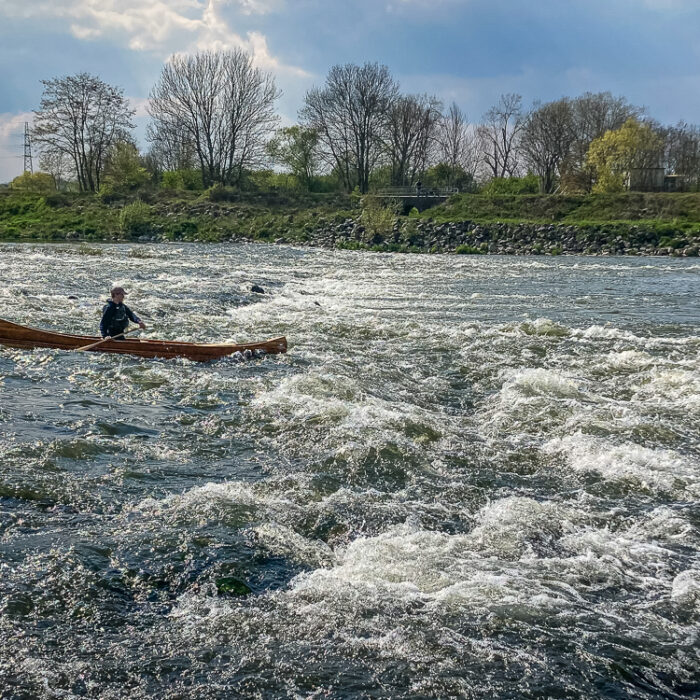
119,321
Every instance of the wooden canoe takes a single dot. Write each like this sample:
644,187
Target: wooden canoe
17,336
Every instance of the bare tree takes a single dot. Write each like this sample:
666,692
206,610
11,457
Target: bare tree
458,146
546,141
499,136
683,152
411,136
58,165
218,104
81,117
350,114
170,149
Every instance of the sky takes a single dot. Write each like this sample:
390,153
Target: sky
466,51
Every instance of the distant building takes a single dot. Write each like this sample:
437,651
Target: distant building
646,179
656,180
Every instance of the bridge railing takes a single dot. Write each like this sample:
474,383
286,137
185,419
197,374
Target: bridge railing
416,192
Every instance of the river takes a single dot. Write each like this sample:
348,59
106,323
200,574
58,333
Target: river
469,477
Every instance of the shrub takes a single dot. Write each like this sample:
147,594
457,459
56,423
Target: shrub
57,199
183,179
530,184
34,182
219,193
135,219
377,219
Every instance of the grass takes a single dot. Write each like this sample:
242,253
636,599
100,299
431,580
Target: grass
677,211
181,216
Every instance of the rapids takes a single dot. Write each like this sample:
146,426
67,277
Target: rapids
469,477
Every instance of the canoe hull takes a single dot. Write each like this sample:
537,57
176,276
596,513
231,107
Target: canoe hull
17,336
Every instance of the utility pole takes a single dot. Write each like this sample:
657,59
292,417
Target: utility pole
28,168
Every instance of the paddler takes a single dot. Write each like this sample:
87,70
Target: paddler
116,315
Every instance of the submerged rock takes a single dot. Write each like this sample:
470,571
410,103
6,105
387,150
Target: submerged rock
228,585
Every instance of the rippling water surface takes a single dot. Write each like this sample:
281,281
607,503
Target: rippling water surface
470,476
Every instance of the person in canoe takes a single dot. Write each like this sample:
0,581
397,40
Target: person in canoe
116,315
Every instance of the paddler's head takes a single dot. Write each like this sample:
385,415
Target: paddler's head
118,294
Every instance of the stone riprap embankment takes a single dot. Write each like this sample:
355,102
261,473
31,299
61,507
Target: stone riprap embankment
502,238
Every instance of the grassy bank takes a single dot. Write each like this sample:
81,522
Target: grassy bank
637,223
679,211
214,216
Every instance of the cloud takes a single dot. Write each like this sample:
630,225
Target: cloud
11,140
259,7
140,105
159,26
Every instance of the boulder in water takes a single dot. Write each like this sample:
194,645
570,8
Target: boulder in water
257,289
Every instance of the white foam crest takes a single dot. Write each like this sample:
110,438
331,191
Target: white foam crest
663,524
322,398
652,469
507,526
609,332
619,554
545,327
215,500
679,388
410,561
531,401
314,395
283,541
629,360
685,589
410,564
539,382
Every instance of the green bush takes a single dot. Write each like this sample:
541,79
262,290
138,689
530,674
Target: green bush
184,179
34,182
530,184
135,219
219,193
57,199
377,219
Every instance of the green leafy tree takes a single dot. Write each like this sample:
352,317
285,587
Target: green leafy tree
34,182
296,147
613,156
123,169
182,179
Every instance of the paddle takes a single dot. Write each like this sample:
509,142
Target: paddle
104,340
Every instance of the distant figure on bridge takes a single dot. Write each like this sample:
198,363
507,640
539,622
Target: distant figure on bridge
419,188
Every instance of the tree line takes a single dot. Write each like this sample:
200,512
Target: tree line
213,122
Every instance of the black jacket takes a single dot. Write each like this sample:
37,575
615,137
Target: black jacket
115,319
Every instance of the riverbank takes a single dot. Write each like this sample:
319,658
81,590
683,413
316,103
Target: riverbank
625,224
